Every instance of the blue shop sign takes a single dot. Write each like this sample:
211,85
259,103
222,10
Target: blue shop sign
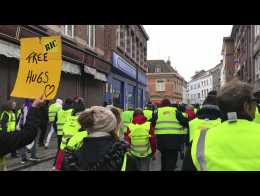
142,78
124,66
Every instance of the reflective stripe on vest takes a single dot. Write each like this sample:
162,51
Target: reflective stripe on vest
228,147
200,154
167,122
196,124
124,163
52,111
140,144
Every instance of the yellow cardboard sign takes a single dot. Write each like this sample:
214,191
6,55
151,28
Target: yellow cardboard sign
40,68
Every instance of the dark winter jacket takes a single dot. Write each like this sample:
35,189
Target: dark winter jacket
12,141
44,113
96,154
211,112
172,141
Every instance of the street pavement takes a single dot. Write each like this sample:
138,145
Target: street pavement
47,159
45,155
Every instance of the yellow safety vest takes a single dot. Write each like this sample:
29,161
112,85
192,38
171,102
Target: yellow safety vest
11,121
52,112
257,116
167,122
139,134
228,147
127,117
148,114
197,124
77,140
62,118
70,128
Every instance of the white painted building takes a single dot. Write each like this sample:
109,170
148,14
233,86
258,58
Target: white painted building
199,87
185,95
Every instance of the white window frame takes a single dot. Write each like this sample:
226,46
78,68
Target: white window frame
257,31
65,32
89,36
257,67
157,70
160,86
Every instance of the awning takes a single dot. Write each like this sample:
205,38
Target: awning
9,49
89,70
100,76
70,68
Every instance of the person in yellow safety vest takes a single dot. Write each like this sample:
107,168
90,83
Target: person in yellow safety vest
52,113
127,117
233,145
148,111
60,119
100,150
171,133
208,116
8,120
140,135
11,141
257,114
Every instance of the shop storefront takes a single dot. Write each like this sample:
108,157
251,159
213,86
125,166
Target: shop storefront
124,89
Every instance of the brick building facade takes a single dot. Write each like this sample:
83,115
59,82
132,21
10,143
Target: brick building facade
87,52
126,45
164,82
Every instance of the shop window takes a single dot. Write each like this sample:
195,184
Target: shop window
140,98
91,31
117,93
68,30
131,96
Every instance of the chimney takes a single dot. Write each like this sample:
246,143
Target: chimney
168,61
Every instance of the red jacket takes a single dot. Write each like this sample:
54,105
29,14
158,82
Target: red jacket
191,114
141,119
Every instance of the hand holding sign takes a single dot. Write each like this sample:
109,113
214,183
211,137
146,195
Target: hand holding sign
40,68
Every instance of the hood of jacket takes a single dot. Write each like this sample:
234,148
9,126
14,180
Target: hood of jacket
211,112
139,119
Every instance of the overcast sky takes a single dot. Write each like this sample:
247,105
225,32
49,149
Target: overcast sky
190,47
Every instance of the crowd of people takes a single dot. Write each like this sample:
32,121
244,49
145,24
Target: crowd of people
221,134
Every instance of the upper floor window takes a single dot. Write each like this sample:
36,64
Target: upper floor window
157,69
68,30
133,45
257,31
122,37
91,31
137,51
160,85
128,42
257,67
